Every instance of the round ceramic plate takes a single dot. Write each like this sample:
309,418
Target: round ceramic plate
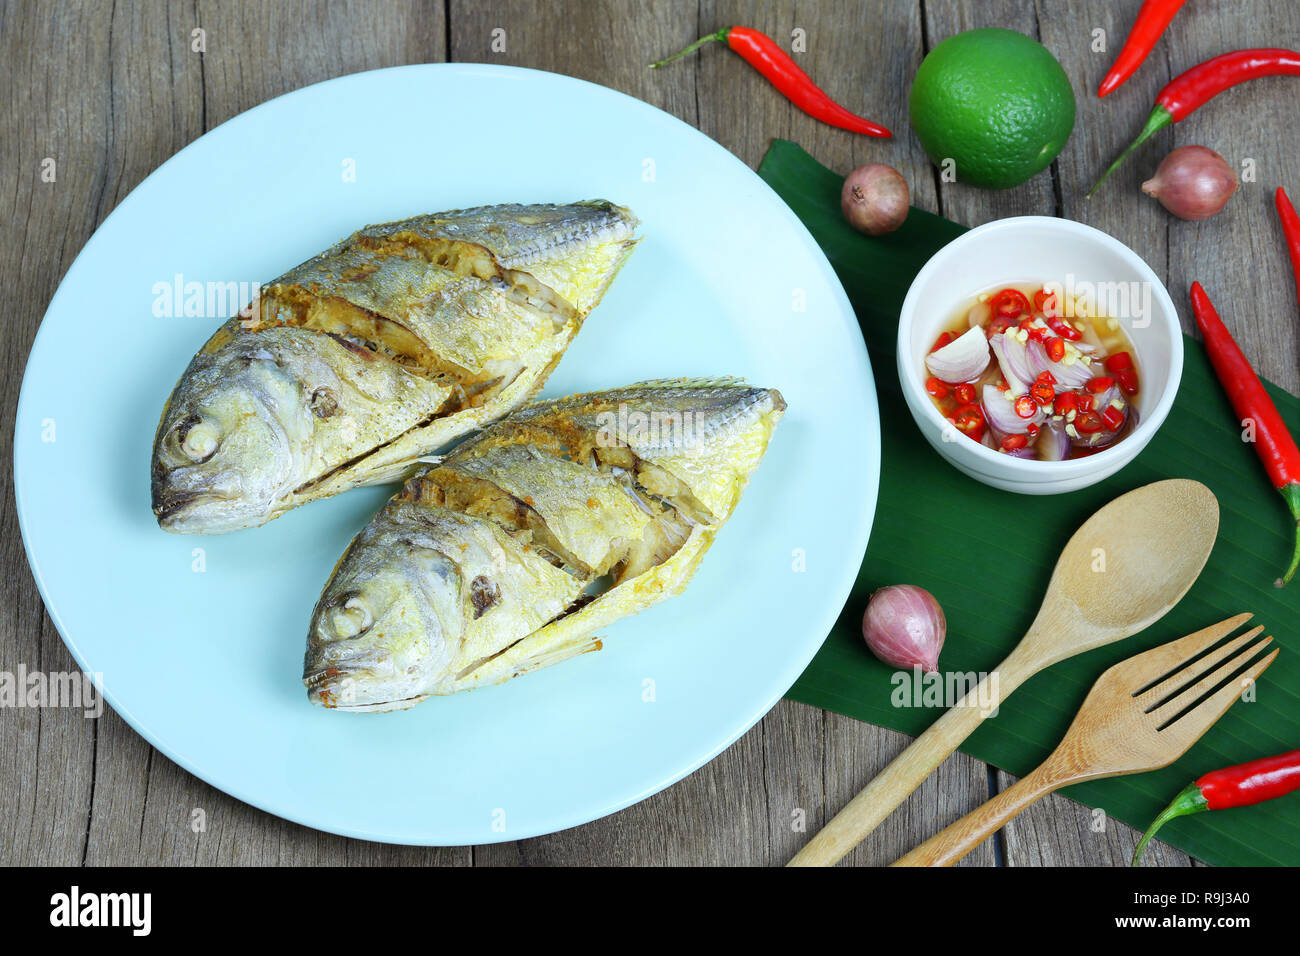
198,641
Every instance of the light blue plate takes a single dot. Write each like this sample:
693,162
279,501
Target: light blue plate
199,640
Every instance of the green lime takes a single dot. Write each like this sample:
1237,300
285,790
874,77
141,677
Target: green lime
992,105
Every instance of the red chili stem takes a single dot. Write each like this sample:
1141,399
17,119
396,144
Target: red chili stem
1189,91
1241,786
762,52
1290,229
1152,20
1273,442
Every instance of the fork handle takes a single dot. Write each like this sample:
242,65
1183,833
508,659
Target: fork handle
956,840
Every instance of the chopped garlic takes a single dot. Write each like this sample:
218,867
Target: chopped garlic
1117,404
1071,431
1022,336
1070,357
1070,415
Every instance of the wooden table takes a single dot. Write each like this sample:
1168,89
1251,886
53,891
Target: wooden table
111,90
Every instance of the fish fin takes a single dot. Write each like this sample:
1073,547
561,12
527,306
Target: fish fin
711,381
398,471
571,634
540,649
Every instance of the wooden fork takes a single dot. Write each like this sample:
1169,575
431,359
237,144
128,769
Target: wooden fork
1142,714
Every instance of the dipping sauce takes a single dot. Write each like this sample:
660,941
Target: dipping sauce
1025,370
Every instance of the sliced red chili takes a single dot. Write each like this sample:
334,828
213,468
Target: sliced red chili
1012,442
943,340
1113,418
1063,328
1009,303
1031,431
1055,348
1026,407
1088,423
1046,378
1099,384
1128,381
1047,303
1085,401
970,421
997,326
964,393
1003,385
936,388
1067,402
1043,393
1118,362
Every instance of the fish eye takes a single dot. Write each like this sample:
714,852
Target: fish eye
198,438
323,402
350,617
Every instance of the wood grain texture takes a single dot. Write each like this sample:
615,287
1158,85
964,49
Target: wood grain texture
110,91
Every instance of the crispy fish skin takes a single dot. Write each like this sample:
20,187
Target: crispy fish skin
385,347
509,553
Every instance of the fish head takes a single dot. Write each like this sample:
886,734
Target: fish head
227,445
385,630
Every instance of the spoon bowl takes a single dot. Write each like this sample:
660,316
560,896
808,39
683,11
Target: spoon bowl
1125,568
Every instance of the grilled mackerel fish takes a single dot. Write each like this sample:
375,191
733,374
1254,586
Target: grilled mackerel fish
385,347
509,553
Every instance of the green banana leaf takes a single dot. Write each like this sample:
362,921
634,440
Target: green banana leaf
987,555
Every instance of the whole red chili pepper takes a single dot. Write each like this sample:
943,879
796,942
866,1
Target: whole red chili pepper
1290,229
1273,442
1188,91
1151,22
1239,786
762,53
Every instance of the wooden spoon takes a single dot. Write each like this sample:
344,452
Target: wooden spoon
1122,571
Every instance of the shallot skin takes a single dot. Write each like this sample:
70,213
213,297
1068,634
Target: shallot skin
1192,182
905,627
875,199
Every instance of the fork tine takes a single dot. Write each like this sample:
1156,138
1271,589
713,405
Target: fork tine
1188,674
1188,695
1159,662
1187,729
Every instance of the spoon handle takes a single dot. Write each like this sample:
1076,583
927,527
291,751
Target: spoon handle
909,769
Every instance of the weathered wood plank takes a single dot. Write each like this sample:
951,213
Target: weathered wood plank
59,96
1057,831
1239,255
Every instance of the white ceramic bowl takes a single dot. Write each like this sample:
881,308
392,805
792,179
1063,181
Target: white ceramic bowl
1041,249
